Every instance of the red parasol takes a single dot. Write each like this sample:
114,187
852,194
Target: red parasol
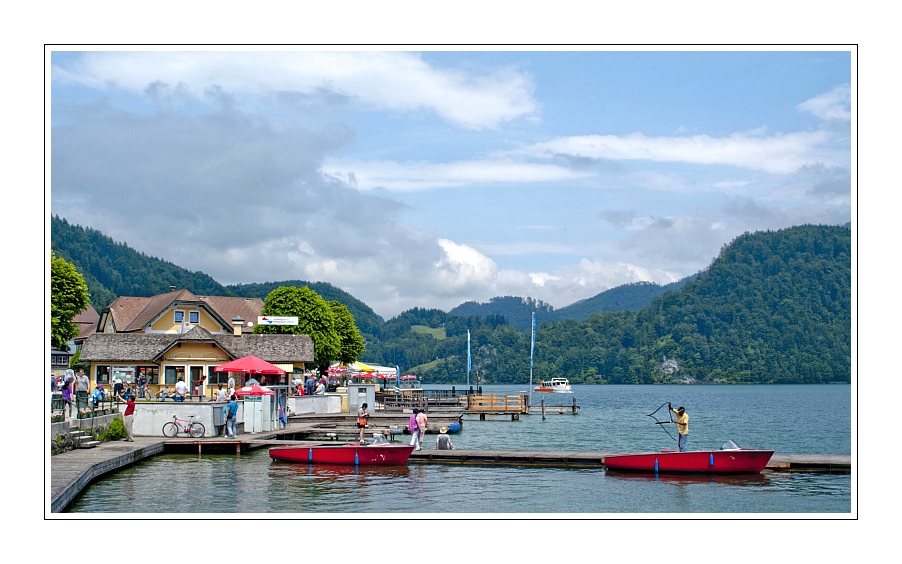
249,365
254,391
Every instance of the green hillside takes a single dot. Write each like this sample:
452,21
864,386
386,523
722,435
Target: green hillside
773,307
631,297
114,269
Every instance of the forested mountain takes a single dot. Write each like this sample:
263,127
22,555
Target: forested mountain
773,307
114,269
517,311
632,297
367,321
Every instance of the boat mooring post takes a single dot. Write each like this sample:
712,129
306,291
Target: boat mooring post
574,406
543,410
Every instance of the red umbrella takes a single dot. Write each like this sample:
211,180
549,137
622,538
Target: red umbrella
249,365
254,391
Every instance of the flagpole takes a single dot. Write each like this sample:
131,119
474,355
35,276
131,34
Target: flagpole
532,347
468,359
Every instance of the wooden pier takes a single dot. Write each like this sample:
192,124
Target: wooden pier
72,471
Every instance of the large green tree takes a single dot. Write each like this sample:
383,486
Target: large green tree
352,345
68,297
315,318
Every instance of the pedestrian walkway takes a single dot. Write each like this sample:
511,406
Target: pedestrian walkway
71,472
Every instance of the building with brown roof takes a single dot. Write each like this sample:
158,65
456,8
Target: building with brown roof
181,335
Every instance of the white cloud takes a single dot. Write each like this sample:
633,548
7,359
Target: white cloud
395,81
463,266
412,176
832,105
780,153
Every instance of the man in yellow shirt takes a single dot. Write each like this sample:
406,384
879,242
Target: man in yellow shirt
682,426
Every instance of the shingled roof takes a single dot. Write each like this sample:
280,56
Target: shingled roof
150,347
131,313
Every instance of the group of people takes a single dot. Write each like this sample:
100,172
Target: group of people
417,425
74,388
311,386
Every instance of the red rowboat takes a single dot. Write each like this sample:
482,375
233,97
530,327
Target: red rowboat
708,461
350,453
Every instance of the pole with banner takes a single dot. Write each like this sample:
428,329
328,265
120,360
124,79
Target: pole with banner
468,359
398,374
532,347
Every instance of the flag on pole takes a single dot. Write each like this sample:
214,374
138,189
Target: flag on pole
468,357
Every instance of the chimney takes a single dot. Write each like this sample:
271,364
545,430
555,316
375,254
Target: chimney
237,324
172,288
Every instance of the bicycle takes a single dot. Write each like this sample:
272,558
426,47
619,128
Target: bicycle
145,393
190,427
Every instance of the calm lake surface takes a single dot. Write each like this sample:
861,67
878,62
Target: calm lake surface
788,419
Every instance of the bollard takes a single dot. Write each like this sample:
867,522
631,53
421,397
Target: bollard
543,410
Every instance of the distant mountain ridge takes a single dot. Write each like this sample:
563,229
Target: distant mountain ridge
112,269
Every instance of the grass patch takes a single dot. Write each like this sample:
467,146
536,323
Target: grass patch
438,334
426,366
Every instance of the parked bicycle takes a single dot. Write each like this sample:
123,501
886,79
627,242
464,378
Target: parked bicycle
190,427
145,393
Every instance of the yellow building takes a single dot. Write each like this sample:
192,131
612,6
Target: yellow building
181,335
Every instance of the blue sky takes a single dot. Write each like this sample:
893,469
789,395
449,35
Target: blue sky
433,178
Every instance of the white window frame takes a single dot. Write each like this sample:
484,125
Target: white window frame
175,316
194,317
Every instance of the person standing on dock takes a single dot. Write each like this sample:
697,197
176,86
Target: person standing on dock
414,430
231,413
221,395
422,421
443,441
362,418
128,416
682,423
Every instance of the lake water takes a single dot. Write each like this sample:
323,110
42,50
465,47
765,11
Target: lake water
788,419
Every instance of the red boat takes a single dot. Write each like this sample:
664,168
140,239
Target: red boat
383,454
732,461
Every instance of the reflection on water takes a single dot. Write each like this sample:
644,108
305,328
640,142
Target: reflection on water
738,480
255,484
790,419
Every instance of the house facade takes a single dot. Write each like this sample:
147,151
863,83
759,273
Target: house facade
181,335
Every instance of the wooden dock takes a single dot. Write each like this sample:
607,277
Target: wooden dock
72,471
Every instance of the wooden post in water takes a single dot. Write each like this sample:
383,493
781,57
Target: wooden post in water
543,409
574,406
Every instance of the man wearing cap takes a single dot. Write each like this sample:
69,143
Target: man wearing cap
443,441
682,423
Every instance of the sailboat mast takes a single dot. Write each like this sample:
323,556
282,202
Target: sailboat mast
532,347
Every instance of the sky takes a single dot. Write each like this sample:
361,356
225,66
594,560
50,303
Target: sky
431,178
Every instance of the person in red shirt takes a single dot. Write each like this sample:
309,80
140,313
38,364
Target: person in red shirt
129,417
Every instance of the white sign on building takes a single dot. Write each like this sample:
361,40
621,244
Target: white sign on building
276,320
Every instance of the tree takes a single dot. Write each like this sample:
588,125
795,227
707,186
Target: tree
68,297
352,345
315,318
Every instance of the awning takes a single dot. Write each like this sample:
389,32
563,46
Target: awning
249,365
254,391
